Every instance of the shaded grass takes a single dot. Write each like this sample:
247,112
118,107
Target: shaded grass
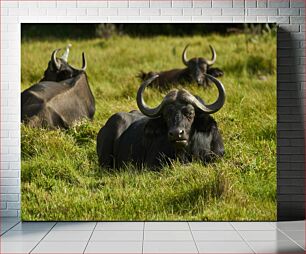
61,179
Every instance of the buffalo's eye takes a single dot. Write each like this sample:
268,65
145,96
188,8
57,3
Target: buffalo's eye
203,68
168,111
188,112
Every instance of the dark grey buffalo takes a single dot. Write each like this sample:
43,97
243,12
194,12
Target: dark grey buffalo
179,128
195,71
60,98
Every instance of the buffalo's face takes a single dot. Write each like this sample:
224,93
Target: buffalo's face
197,69
178,110
65,71
179,118
59,70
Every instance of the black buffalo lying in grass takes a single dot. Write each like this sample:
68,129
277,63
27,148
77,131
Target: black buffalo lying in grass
195,71
180,127
61,97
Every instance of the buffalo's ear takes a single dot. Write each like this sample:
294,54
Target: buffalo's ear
141,75
216,72
204,122
144,75
155,127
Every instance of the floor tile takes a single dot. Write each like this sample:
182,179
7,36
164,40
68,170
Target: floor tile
295,234
8,224
216,236
22,236
68,226
166,226
60,247
301,243
222,226
291,225
114,247
17,247
253,225
276,247
69,236
273,224
273,235
169,247
119,226
33,226
106,236
4,226
223,247
3,230
167,236
9,220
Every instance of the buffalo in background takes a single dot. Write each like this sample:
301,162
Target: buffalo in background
195,71
60,98
181,127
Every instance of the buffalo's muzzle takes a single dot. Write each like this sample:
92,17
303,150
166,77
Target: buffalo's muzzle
178,137
176,134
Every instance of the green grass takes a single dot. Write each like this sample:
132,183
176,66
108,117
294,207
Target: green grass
61,179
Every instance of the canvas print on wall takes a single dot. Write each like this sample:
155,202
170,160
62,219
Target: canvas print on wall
148,122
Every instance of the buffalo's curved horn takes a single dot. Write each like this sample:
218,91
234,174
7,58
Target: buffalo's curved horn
143,107
54,59
66,53
84,63
172,95
214,56
218,104
184,55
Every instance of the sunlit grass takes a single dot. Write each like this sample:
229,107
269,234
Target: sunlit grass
61,179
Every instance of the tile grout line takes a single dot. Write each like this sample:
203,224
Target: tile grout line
290,238
273,225
193,237
232,225
143,232
247,243
43,238
10,228
90,237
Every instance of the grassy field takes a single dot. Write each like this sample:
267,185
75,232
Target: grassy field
61,179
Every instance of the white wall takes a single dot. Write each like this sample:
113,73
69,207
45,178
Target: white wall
290,14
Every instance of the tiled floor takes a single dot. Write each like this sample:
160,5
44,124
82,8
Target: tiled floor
152,237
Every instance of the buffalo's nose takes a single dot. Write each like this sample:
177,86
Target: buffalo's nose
176,134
